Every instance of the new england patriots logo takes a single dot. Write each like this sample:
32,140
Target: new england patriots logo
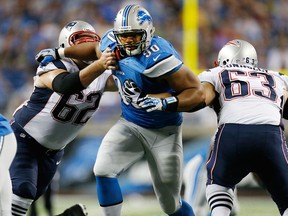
70,25
142,17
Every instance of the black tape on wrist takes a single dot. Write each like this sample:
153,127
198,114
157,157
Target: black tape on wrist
170,104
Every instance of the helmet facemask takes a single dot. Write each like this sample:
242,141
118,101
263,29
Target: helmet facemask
77,32
132,20
83,37
134,48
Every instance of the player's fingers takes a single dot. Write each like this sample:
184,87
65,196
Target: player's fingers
151,109
112,67
107,50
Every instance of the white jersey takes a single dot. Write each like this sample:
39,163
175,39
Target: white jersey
54,119
247,95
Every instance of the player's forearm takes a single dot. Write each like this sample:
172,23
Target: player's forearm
84,51
91,72
191,100
106,61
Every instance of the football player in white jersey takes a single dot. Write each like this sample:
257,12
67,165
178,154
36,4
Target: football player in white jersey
66,94
250,138
8,147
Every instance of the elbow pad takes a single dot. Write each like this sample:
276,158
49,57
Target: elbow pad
67,83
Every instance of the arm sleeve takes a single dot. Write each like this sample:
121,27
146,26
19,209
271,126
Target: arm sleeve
67,83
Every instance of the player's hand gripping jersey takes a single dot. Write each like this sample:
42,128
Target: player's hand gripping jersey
247,95
54,119
136,77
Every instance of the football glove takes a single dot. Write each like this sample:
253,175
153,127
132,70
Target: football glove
47,55
160,104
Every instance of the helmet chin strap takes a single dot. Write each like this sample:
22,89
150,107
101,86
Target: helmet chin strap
136,51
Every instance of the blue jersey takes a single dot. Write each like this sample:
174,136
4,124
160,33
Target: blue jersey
140,71
4,126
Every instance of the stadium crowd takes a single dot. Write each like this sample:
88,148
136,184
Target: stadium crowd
28,26
262,22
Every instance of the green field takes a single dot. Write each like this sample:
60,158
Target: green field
138,205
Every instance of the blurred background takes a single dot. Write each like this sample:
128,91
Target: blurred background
27,26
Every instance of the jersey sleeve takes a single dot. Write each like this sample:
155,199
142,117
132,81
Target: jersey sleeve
108,40
207,76
282,77
100,82
167,65
285,80
5,127
65,64
163,59
211,76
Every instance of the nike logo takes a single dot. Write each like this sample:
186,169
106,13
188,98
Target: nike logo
155,59
58,162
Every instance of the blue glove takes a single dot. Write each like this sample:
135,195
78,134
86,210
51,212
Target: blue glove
47,55
160,104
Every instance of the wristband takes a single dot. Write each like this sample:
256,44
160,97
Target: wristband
60,52
170,104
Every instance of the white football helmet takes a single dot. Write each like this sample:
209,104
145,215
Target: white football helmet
77,32
237,52
134,19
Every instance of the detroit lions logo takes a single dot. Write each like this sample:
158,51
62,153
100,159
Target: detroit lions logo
142,17
70,25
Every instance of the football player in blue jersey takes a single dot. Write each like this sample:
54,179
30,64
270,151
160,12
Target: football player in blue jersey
8,148
148,66
66,94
